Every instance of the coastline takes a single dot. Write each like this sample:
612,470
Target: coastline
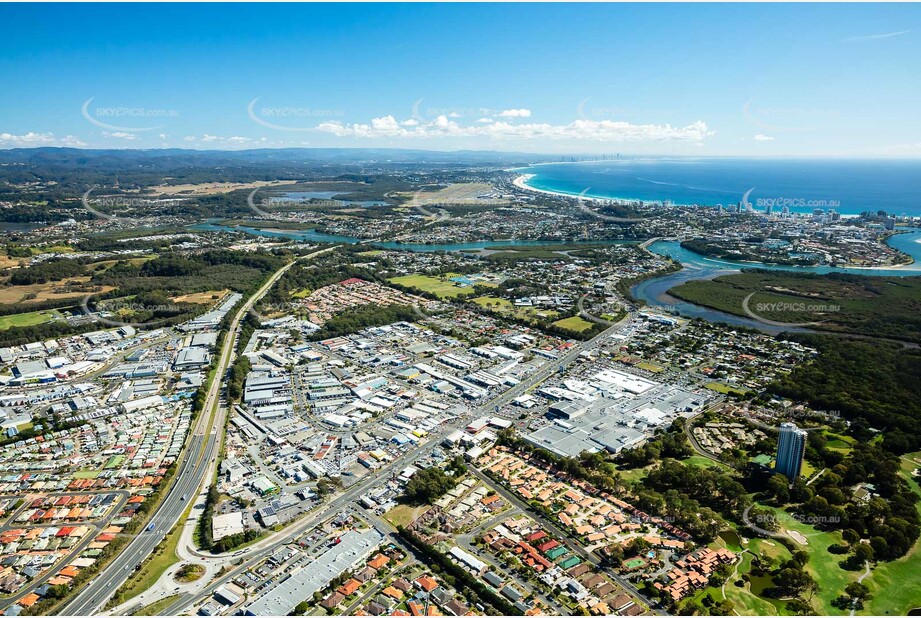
521,182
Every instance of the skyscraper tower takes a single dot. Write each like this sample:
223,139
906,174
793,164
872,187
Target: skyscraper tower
791,446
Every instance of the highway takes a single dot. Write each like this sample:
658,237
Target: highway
197,463
259,551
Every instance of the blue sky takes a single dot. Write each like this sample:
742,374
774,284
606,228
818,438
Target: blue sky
718,79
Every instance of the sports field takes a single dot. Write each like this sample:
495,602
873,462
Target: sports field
442,287
575,324
27,319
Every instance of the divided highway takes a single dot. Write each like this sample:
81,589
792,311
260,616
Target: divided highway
257,552
196,465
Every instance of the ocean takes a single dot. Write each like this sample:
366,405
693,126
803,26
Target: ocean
849,186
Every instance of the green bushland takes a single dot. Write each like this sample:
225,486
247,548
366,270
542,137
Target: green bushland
872,384
146,289
887,307
427,486
365,316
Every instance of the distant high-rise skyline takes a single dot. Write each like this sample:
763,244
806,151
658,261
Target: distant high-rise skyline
791,446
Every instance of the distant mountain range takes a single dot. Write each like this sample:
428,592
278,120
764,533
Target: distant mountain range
169,157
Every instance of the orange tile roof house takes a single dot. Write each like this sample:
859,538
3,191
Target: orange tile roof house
349,587
29,600
426,583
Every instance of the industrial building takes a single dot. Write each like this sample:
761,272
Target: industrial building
353,549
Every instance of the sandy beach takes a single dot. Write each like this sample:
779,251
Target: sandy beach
521,183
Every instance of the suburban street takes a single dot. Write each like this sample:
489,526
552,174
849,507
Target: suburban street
198,463
257,552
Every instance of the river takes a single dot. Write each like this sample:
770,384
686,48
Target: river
654,292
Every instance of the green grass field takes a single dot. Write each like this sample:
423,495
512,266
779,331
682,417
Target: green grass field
442,287
403,514
27,319
493,302
894,585
156,607
842,444
822,565
575,324
724,389
650,367
702,462
808,470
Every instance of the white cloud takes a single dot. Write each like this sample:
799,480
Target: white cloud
763,138
73,142
903,149
589,130
121,135
515,113
875,37
233,140
32,139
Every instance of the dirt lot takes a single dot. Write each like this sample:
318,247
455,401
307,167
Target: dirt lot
53,290
461,193
200,298
215,188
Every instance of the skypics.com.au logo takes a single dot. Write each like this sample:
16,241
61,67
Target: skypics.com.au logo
289,118
118,202
783,307
777,204
276,207
130,119
770,524
129,312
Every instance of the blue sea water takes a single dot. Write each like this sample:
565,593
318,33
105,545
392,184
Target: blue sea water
849,186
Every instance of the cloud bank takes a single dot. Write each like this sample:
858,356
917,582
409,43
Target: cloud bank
591,130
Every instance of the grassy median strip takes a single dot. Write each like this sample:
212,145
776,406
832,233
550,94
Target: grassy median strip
163,557
156,607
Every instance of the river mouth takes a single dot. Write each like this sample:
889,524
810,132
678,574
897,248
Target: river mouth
653,291
696,267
